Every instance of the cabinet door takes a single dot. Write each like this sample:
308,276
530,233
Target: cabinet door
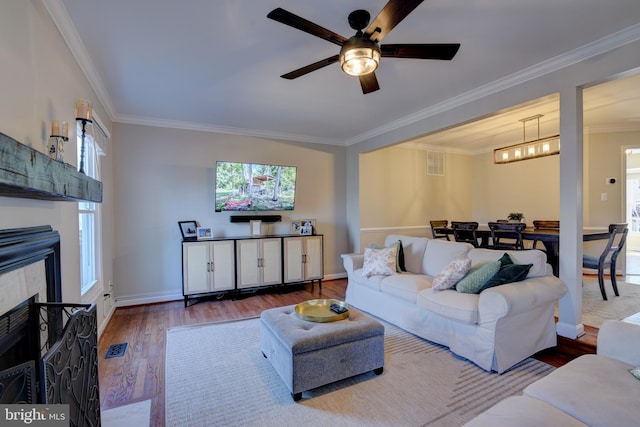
223,267
293,259
271,264
314,258
247,261
195,258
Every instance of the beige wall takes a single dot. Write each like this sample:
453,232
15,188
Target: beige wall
41,81
163,176
398,196
397,192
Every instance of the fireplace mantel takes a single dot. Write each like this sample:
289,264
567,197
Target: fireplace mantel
28,173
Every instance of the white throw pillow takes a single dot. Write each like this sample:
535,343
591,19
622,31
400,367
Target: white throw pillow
379,262
451,274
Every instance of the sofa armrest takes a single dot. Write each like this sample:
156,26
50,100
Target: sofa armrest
352,262
519,297
621,341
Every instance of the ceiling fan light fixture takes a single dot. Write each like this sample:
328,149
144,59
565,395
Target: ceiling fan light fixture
359,56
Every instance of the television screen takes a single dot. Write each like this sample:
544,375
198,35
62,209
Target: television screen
254,187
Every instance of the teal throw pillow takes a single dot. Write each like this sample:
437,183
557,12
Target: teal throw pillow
473,282
508,274
505,260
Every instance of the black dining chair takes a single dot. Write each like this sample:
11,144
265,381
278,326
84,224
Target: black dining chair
617,237
507,235
442,223
465,231
544,224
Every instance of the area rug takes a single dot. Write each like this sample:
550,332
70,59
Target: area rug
595,310
216,375
133,415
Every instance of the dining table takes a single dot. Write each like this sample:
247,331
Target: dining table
550,239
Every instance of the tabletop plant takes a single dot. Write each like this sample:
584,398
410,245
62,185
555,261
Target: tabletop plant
515,216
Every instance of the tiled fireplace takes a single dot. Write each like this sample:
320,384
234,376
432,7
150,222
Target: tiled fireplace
48,349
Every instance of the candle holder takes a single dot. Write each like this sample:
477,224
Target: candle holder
56,147
82,143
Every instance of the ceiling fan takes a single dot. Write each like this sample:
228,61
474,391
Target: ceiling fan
360,55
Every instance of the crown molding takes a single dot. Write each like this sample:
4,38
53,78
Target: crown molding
64,24
176,124
630,127
69,34
612,41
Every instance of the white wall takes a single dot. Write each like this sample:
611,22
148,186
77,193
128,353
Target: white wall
40,81
163,176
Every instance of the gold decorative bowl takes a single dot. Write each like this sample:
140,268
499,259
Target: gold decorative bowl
319,310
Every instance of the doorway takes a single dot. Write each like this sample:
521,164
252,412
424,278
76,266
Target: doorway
632,197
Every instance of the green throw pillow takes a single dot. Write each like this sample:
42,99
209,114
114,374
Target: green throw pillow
505,260
508,273
473,282
635,372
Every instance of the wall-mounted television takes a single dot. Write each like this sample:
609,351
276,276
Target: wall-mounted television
254,187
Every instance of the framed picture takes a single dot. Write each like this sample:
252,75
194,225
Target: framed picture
204,233
255,227
306,230
188,229
295,226
308,223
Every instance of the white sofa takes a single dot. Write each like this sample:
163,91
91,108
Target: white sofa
593,390
494,329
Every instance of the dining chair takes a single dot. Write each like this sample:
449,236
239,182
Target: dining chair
617,237
439,224
507,235
544,224
465,231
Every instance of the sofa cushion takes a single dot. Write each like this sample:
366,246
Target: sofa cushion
452,304
479,274
595,389
439,253
379,262
523,412
451,274
533,256
413,249
372,282
405,285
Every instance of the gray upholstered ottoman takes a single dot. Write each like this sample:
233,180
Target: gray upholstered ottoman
307,355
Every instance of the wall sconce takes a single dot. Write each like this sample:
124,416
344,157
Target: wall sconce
526,150
84,114
59,135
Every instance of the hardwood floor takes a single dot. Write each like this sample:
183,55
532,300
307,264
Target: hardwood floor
139,374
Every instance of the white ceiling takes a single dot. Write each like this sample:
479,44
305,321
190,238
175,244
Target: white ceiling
215,65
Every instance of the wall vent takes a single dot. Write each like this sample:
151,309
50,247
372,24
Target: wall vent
435,163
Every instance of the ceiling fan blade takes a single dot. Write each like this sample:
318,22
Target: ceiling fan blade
390,16
369,83
311,67
445,51
288,18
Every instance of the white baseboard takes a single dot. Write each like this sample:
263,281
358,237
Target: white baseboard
130,300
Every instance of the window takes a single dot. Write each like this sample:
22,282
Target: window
89,212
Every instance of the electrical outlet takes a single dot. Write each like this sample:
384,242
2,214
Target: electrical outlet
604,197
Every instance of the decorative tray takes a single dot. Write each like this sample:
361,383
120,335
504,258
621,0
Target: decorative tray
319,310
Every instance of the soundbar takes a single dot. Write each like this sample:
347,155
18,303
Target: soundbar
263,218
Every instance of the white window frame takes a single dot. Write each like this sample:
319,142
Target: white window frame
89,214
